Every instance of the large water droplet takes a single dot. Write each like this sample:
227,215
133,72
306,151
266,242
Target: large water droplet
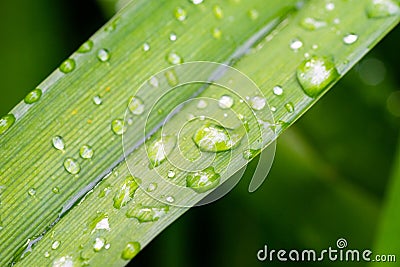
86,47
382,8
98,244
126,192
118,126
159,150
202,181
136,105
258,102
174,59
315,74
33,96
72,166
66,261
350,38
180,14
58,142
225,102
6,122
312,24
68,65
86,152
146,213
214,138
103,55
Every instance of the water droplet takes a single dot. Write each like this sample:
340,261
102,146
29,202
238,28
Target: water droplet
118,126
226,102
136,105
278,90
55,245
172,37
130,250
296,44
170,199
172,79
86,47
312,24
214,138
56,190
98,244
216,33
126,192
46,254
68,65
218,12
154,82
196,2
100,222
202,104
382,8
107,246
258,103
250,153
6,122
103,55
174,58
86,152
58,142
273,109
32,192
180,14
72,166
315,74
152,187
289,107
171,174
146,214
33,96
350,38
146,47
253,14
330,6
66,261
160,149
97,100
202,181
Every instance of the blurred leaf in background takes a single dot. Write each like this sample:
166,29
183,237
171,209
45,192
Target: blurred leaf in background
331,174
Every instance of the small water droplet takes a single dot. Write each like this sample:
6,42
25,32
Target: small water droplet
72,166
253,14
296,44
214,138
66,261
126,192
196,2
130,251
202,181
350,38
100,222
278,90
107,246
218,12
159,150
382,8
86,47
146,214
216,33
6,122
315,74
103,55
180,14
289,107
330,6
136,105
118,127
55,245
257,102
174,58
202,104
312,24
58,142
97,100
250,153
273,109
56,190
172,37
68,66
98,244
146,47
33,96
171,174
170,199
154,82
32,192
226,102
46,254
171,77
86,152
152,187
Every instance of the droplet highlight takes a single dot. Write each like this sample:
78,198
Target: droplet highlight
159,150
147,214
72,166
33,96
214,138
86,152
126,192
6,122
130,251
58,142
203,181
118,127
136,105
103,55
68,66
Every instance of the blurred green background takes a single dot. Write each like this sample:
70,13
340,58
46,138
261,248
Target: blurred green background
334,171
